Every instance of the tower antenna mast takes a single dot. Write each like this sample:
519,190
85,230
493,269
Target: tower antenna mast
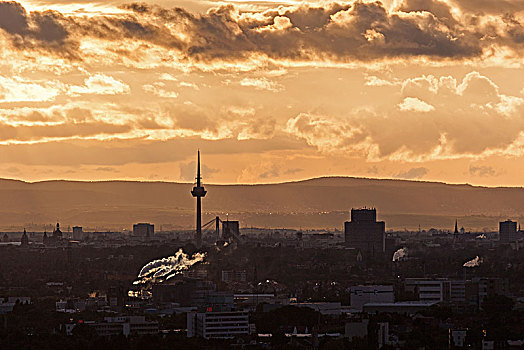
198,192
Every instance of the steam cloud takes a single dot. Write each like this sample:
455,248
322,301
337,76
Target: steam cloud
400,254
166,268
473,262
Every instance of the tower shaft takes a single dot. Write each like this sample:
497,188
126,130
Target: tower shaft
198,192
198,233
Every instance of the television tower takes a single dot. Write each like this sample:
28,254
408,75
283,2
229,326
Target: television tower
198,191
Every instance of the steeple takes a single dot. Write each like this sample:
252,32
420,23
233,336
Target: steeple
24,241
57,232
456,226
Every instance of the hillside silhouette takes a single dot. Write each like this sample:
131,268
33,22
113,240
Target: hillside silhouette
315,203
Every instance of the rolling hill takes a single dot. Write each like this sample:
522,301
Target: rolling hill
316,203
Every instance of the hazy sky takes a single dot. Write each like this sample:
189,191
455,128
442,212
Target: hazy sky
268,90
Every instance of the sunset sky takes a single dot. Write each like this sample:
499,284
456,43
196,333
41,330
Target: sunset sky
268,90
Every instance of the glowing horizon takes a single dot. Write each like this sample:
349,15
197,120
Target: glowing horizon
270,91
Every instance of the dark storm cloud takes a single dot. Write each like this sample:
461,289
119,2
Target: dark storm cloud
338,32
36,30
362,31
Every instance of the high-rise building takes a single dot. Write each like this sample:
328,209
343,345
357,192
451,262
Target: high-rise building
77,233
507,231
364,232
144,229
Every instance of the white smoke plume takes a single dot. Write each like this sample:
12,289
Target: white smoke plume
163,269
473,262
400,254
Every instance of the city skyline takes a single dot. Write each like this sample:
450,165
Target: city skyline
269,91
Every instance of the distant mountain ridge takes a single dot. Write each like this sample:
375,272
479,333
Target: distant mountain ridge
318,202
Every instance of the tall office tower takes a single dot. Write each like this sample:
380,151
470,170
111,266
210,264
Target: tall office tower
507,231
365,233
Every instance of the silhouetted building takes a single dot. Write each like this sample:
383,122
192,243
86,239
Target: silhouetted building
230,229
185,292
77,233
24,241
360,295
54,238
120,325
507,231
144,230
57,233
456,227
364,232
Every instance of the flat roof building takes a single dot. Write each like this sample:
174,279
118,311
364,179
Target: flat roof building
508,231
144,229
78,234
361,295
365,233
218,319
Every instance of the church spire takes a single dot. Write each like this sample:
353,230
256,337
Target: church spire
24,240
456,226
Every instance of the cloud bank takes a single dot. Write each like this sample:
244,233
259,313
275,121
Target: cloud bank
352,31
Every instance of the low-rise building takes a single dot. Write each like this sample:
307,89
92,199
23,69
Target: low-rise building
356,329
437,290
144,229
360,295
126,325
402,307
218,324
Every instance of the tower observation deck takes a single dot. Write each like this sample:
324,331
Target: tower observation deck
198,192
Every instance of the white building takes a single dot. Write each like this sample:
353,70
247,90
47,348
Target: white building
360,295
217,324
